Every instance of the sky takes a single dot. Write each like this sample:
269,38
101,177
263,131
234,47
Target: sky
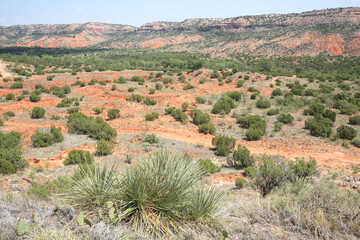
139,12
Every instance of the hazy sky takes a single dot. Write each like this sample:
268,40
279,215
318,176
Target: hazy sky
138,12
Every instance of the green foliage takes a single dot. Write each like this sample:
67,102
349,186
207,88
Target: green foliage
17,85
79,123
200,100
199,117
208,166
274,111
11,153
223,145
79,156
151,138
223,106
263,103
34,97
346,132
134,98
256,126
240,182
278,126
330,115
151,116
9,114
165,187
104,148
356,142
315,109
274,172
207,128
131,89
354,120
285,118
113,113
250,172
319,127
72,110
188,86
304,169
47,137
276,92
185,106
42,139
80,219
37,112
149,101
21,227
98,110
9,97
236,96
179,115
240,83
242,158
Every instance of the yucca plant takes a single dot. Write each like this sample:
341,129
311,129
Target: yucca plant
158,194
92,186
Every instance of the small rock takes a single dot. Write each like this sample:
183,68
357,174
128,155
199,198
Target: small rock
348,179
345,184
16,188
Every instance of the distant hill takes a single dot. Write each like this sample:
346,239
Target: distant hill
331,31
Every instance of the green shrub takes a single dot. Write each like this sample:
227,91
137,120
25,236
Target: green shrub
246,77
315,109
73,110
263,103
356,142
152,91
200,100
223,145
179,115
113,113
240,182
240,83
56,133
149,101
276,92
185,106
9,114
11,153
256,126
79,156
1,122
278,126
42,139
319,127
346,132
247,121
151,116
9,97
134,98
33,97
274,111
79,123
6,167
236,96
151,138
354,120
285,118
304,169
131,89
98,110
271,173
250,172
17,85
208,166
37,112
199,117
104,148
188,86
330,115
242,158
207,128
222,107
